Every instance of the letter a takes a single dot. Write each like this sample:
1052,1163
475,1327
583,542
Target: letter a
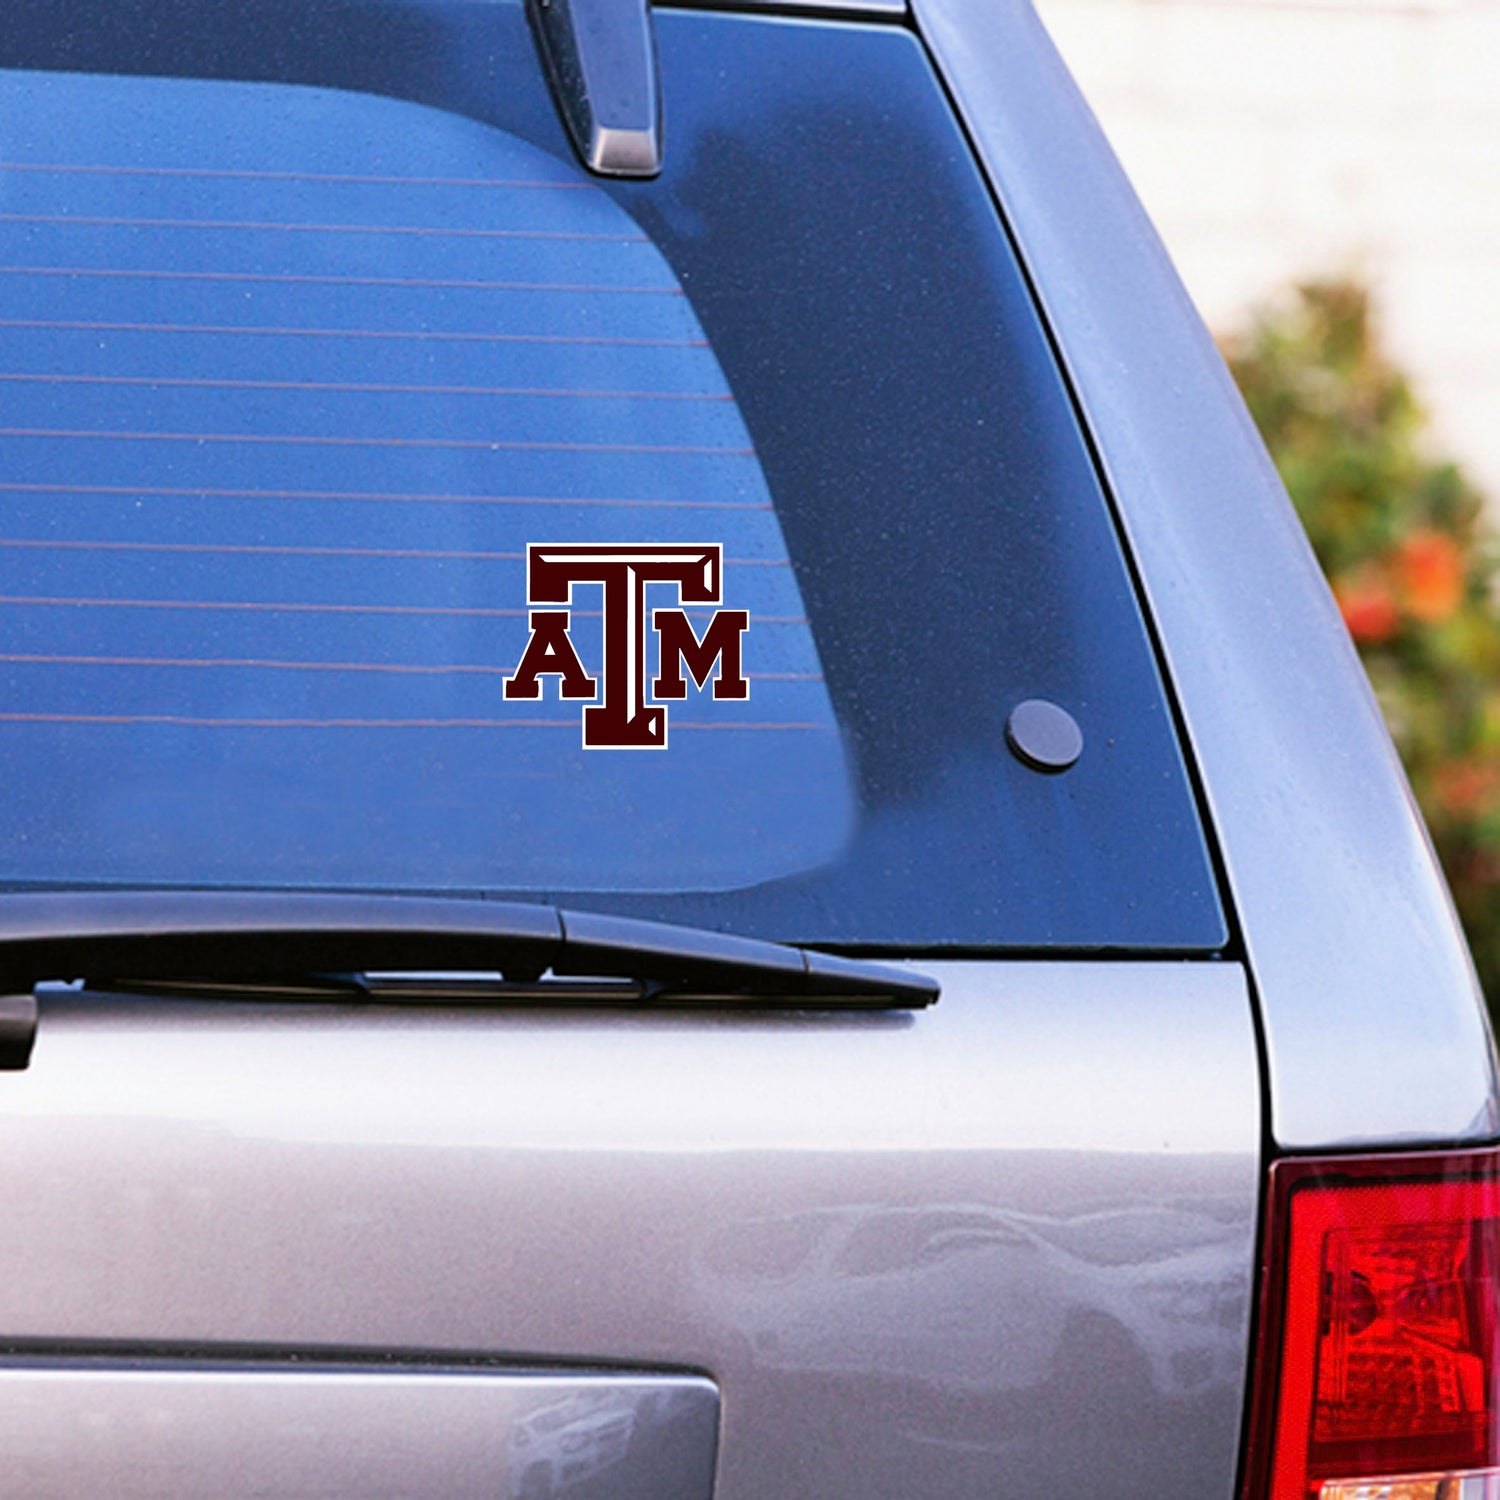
550,653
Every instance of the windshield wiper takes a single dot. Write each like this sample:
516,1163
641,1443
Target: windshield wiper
362,942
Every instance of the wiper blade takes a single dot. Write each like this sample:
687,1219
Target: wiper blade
246,936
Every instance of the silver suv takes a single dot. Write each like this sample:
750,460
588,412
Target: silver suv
683,815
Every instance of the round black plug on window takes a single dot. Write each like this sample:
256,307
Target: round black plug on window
1043,736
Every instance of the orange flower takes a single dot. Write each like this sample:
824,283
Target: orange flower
1430,570
1369,610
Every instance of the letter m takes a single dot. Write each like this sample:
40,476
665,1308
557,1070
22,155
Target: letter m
680,647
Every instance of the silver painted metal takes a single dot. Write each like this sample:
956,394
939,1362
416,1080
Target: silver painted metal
910,1249
601,60
177,1428
1374,1026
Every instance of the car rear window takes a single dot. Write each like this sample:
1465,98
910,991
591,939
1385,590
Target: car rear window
386,503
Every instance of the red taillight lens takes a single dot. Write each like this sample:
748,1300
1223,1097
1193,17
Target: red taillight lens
1379,1361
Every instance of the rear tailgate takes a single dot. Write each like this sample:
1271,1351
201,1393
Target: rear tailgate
322,351
1001,1245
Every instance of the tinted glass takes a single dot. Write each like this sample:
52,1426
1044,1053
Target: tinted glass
281,423
311,326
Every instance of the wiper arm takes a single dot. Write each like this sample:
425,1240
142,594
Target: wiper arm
237,936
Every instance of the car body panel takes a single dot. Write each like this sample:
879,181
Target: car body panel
910,1249
1375,1029
164,1429
1004,1244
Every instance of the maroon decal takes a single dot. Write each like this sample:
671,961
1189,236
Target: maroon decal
624,719
550,653
680,647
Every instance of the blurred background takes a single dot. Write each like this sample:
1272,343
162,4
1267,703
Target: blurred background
1276,139
1326,175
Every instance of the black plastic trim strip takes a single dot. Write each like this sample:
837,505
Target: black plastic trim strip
264,935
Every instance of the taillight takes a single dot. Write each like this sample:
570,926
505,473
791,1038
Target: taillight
1378,1363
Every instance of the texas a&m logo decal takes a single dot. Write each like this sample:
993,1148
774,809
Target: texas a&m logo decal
622,717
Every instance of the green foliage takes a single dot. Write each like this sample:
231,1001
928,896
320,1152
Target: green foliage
1412,564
